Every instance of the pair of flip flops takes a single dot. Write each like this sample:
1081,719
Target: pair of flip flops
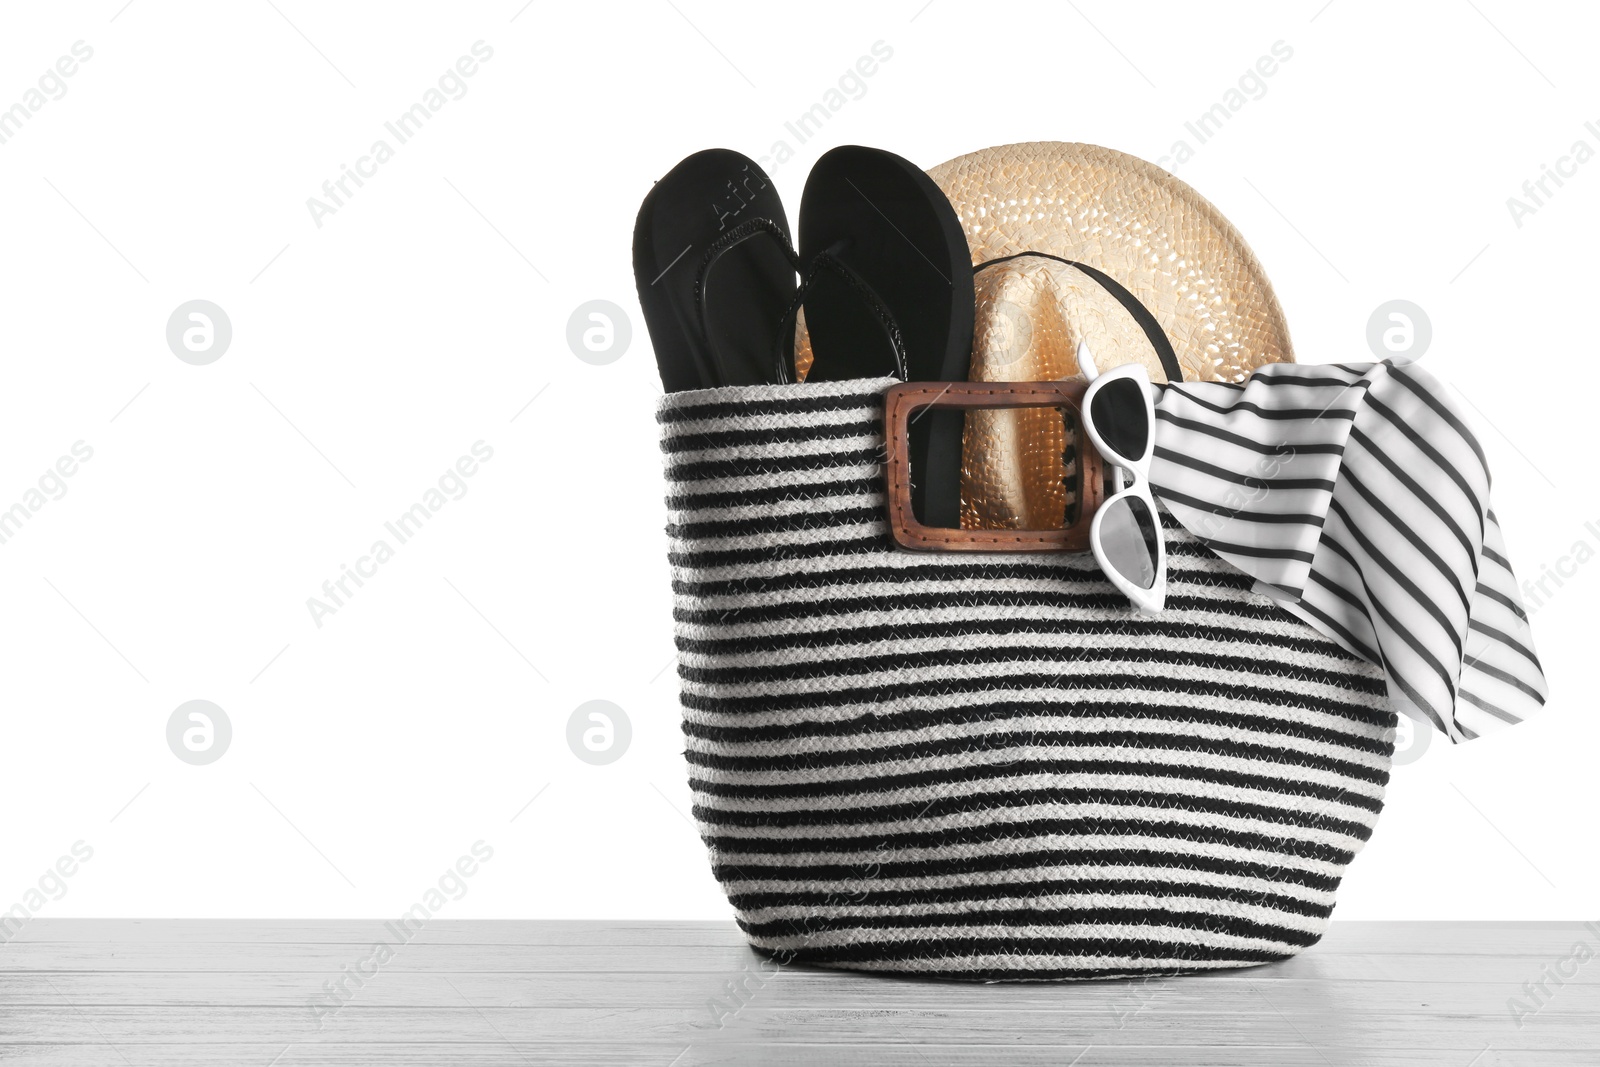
882,278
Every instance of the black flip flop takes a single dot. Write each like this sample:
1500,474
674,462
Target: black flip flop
715,270
892,246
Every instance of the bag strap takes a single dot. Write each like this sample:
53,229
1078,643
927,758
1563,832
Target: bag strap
786,371
1141,314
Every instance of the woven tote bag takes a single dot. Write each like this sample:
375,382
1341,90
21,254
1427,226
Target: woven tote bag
988,766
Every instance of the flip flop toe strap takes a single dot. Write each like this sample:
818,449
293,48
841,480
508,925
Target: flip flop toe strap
824,261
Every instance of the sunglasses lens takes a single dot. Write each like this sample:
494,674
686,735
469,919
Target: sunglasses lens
1121,418
1128,540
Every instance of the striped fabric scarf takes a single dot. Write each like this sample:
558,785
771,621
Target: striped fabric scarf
1355,495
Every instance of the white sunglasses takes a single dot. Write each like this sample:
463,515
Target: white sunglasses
1119,413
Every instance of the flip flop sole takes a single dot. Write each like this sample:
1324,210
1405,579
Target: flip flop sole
887,223
713,287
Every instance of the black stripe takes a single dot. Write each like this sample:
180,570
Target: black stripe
772,524
1212,922
1493,709
1423,496
1500,598
1077,858
1141,625
1509,679
869,841
1497,557
871,540
1000,774
746,855
1207,430
1446,572
1428,398
776,494
991,863
1322,581
1396,678
944,659
1366,650
1284,373
1159,951
1231,592
1411,639
1496,634
1100,598
1268,413
1172,496
750,870
700,470
1426,447
955,567
1258,551
1160,885
1403,580
1029,746
923,719
1183,459
1327,585
1043,682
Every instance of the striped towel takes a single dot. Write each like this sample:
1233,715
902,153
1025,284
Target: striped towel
1356,496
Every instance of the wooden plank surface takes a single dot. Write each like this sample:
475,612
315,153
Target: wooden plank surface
138,992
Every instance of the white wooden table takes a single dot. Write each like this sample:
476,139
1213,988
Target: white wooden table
132,993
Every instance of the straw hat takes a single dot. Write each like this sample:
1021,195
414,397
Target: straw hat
1138,224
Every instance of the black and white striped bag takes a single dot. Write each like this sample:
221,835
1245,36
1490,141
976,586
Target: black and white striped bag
987,766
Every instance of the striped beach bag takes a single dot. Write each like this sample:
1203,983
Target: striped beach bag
985,765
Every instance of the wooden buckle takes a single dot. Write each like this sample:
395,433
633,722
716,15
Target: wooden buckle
902,401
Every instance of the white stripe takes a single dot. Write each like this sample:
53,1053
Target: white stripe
796,655
1046,725
1271,851
782,508
1178,935
1155,903
783,420
871,794
826,688
855,888
873,833
868,772
1065,695
849,475
779,450
1114,846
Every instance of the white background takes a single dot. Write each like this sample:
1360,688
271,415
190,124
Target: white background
368,354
